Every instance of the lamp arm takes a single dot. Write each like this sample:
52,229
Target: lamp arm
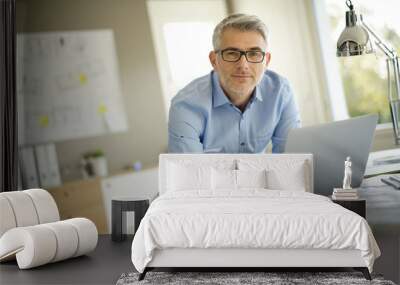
393,70
384,47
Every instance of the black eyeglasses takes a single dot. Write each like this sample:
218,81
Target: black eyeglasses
234,55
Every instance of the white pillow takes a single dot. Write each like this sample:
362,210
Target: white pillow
282,180
183,177
236,179
223,179
193,173
282,174
251,178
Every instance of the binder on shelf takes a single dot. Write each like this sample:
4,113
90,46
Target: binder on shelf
54,171
49,175
40,152
29,174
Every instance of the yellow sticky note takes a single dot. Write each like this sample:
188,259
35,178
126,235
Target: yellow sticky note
102,109
83,79
44,121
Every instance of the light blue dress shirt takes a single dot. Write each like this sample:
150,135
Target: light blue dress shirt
202,119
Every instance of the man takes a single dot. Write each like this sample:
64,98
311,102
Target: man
240,106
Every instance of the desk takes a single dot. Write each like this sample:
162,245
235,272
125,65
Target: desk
383,205
91,198
81,199
383,215
376,162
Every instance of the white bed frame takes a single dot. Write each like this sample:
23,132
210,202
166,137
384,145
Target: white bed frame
234,257
250,258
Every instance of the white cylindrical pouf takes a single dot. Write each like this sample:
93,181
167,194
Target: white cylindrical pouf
87,234
7,218
36,245
45,205
67,240
24,210
40,247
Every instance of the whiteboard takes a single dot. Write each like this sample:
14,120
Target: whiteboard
68,86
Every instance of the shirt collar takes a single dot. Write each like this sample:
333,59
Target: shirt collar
219,97
258,93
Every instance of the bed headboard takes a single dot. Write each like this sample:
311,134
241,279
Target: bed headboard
268,159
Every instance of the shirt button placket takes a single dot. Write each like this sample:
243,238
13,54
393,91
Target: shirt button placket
242,144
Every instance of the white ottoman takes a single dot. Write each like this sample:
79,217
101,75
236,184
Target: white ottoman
31,232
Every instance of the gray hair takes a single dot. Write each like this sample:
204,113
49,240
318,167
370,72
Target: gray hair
241,22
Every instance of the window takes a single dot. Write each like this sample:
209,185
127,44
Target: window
188,45
182,34
364,78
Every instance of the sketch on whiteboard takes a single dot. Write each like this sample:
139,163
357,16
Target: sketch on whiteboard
70,85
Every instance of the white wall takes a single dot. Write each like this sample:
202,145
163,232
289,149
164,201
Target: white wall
140,83
293,44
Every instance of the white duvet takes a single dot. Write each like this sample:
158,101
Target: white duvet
251,218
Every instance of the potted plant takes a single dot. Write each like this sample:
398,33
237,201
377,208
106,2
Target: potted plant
96,163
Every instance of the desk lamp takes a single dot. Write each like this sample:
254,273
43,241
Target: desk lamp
356,40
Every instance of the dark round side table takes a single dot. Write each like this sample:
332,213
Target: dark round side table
139,205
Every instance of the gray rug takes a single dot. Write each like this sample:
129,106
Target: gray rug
270,278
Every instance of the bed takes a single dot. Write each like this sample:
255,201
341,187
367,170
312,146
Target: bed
245,211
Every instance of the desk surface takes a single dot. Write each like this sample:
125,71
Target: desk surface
102,266
384,161
383,205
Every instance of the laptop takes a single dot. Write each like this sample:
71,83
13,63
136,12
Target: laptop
330,144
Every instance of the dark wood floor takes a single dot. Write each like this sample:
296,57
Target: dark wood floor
102,266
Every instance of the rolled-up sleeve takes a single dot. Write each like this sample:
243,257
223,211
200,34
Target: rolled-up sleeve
289,119
184,129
